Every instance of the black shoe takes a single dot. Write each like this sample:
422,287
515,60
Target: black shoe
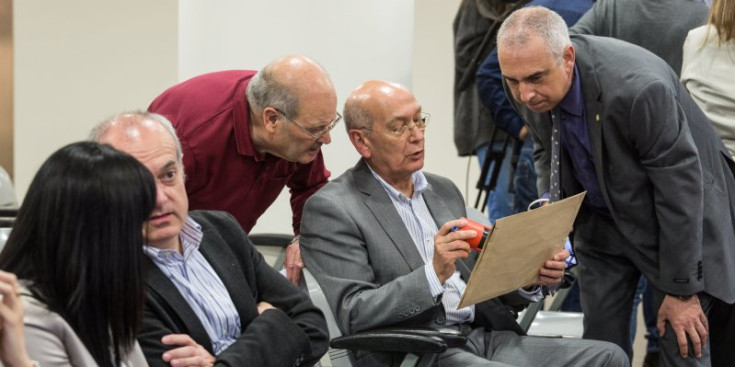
651,359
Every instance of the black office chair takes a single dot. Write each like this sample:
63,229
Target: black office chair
421,346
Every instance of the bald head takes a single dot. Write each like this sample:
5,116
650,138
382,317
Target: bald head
288,84
372,101
523,25
132,126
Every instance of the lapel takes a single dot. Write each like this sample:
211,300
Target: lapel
592,92
380,205
231,273
439,211
164,289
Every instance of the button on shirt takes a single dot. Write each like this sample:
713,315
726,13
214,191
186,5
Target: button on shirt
200,286
422,228
575,139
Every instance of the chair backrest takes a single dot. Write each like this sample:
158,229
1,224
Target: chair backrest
7,191
338,357
476,215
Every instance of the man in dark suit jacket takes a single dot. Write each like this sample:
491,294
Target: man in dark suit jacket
379,241
661,191
212,298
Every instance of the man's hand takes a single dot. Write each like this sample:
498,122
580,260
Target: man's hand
263,306
687,319
450,246
188,354
523,133
293,263
553,270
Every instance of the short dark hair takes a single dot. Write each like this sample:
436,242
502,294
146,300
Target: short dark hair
78,240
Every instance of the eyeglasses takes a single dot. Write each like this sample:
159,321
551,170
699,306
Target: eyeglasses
317,131
405,129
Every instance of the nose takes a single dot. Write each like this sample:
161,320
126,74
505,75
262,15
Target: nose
325,139
161,196
415,133
526,92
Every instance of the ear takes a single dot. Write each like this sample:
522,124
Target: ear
359,140
568,58
270,118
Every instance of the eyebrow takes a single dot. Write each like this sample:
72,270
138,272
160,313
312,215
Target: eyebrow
167,166
535,75
403,118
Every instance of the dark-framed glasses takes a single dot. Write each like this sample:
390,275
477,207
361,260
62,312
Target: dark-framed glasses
315,132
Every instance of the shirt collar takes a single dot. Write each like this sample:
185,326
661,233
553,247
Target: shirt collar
242,121
191,238
573,102
420,184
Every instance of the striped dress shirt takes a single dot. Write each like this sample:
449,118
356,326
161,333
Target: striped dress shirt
422,228
200,286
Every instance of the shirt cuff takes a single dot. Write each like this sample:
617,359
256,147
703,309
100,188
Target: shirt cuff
435,286
533,295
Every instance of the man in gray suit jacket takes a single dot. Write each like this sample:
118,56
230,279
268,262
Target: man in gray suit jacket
611,118
379,240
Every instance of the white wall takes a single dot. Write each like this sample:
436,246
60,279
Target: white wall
80,61
353,40
406,41
433,83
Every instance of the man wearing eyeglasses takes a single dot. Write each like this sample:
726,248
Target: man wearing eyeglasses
379,241
246,135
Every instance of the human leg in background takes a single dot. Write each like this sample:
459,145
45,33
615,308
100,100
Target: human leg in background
524,178
500,200
644,295
649,316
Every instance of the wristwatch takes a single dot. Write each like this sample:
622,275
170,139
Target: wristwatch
295,239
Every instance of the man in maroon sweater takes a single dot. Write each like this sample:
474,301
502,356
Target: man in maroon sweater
246,135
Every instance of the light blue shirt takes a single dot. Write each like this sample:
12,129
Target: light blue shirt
200,286
422,228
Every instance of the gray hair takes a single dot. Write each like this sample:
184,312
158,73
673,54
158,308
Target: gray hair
522,24
356,115
264,90
101,129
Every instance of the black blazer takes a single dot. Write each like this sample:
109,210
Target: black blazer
295,334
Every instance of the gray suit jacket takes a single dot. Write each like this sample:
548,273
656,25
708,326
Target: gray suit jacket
665,175
659,26
356,245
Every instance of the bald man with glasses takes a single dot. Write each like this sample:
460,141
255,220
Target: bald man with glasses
246,135
379,241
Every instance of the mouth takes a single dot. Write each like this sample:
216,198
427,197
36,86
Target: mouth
417,155
536,105
159,218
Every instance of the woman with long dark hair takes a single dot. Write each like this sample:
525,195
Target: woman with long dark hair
76,247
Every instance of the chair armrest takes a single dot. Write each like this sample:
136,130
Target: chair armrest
408,340
453,338
8,212
390,342
271,239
